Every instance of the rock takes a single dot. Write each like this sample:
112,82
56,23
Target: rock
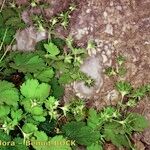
92,67
27,38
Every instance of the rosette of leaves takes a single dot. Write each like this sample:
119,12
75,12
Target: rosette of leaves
34,94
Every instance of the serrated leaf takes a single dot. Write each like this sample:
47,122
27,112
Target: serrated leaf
8,93
39,118
45,75
41,136
95,147
17,114
112,133
52,103
29,128
14,22
19,145
48,126
60,43
52,49
37,111
39,91
59,138
137,122
123,87
4,111
28,62
57,89
81,133
65,78
93,119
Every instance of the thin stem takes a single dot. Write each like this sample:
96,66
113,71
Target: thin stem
2,5
2,43
7,50
130,144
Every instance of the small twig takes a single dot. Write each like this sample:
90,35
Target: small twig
3,39
7,49
2,5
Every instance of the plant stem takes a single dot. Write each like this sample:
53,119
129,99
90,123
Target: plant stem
7,50
2,5
2,43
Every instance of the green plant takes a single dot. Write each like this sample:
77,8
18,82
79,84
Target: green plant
32,86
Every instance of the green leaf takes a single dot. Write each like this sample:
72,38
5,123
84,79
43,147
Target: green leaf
39,118
93,119
137,122
57,89
15,22
60,43
4,111
77,51
41,136
8,94
19,145
52,49
110,71
111,133
37,111
9,35
45,75
95,147
123,87
39,91
65,78
59,138
29,128
17,114
48,126
28,62
139,92
52,103
6,138
81,133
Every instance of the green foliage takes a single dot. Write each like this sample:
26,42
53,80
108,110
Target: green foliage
137,122
8,94
110,71
59,138
112,134
123,87
81,133
52,49
45,75
28,62
93,119
39,91
95,147
19,144
48,126
9,35
57,89
121,59
9,20
33,108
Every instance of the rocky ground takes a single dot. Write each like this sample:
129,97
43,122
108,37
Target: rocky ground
116,26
